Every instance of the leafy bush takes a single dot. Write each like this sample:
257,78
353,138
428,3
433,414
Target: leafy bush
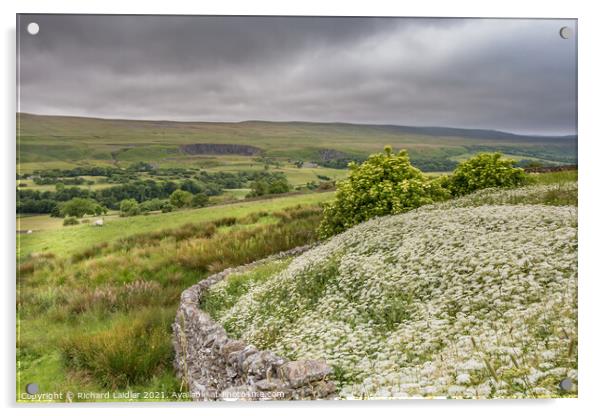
309,185
78,207
155,204
384,184
325,186
485,170
70,221
258,188
180,198
276,185
200,200
129,207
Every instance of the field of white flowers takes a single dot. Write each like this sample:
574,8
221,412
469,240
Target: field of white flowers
458,300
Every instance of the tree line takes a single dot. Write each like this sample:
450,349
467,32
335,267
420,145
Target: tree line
141,190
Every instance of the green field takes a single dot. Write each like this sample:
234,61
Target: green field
96,303
44,222
29,184
66,240
466,156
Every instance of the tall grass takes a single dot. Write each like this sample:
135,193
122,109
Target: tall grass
131,351
553,177
109,306
234,286
244,246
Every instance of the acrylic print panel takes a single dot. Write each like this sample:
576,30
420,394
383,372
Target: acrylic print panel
291,208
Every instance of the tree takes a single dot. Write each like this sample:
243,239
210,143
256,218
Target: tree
258,188
129,207
152,205
180,198
78,207
200,200
384,184
485,170
278,186
191,186
169,187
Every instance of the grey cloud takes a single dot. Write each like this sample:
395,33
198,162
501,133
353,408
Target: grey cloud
513,75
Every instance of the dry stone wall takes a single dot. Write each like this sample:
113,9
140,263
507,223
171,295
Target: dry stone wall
217,367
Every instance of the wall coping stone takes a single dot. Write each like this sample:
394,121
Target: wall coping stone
217,367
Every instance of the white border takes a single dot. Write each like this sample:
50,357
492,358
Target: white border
590,156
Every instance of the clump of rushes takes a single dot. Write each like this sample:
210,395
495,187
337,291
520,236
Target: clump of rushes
129,352
246,245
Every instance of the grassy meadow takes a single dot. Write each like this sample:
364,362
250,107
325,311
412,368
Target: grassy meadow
95,303
95,313
66,240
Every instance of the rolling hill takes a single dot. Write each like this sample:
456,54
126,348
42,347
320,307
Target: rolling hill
47,142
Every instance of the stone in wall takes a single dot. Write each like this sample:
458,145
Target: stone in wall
216,367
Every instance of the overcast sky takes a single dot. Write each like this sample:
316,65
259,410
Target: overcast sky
512,75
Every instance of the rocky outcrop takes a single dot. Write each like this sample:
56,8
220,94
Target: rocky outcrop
220,149
217,367
331,154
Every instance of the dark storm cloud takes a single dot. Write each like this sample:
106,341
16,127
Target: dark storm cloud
514,75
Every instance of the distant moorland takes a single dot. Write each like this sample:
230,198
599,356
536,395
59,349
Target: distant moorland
47,142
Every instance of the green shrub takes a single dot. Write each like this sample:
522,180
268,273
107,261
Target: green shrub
200,200
485,170
78,207
154,204
384,184
129,207
276,185
180,198
70,221
167,207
